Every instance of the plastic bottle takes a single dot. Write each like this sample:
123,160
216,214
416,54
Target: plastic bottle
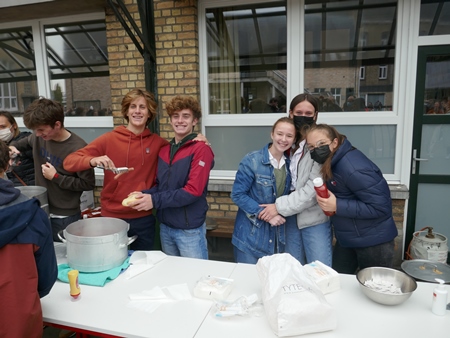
439,305
322,191
73,281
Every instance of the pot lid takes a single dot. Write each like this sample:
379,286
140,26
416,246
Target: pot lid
427,270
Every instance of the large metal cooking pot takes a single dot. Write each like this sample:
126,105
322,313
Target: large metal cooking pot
36,191
96,244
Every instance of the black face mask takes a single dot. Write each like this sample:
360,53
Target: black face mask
303,121
320,154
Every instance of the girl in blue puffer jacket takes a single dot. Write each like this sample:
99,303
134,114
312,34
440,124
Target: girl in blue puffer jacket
360,197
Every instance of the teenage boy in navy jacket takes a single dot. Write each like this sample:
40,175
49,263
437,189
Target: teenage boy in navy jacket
181,184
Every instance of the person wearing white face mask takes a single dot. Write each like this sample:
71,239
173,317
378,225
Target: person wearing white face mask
23,172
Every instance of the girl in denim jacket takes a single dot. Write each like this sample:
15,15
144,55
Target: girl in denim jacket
263,175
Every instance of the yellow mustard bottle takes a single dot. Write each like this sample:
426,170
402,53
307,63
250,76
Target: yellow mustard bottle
73,281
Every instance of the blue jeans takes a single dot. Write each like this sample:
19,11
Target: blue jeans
144,228
244,257
185,243
349,260
59,224
309,244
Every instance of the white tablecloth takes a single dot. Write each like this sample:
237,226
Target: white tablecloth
104,309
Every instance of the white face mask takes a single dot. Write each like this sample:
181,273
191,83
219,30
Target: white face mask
6,134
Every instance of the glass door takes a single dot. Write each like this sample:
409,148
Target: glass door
429,202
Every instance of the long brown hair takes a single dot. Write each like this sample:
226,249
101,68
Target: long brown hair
331,133
133,95
301,134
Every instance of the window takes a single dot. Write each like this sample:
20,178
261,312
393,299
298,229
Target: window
61,58
343,39
18,86
246,47
8,97
244,68
78,61
335,51
434,17
382,72
336,92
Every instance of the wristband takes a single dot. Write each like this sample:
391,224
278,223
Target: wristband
56,175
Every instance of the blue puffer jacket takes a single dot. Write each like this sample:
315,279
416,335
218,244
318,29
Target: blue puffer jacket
254,185
364,207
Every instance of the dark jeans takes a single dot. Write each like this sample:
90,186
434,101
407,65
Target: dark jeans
59,224
350,260
144,228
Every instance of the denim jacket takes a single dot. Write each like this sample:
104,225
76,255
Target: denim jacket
254,185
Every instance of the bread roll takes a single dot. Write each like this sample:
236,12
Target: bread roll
128,200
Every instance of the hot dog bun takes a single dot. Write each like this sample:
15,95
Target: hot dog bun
128,200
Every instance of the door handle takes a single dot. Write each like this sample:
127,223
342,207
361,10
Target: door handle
419,159
416,159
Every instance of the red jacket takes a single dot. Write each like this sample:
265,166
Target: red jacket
125,149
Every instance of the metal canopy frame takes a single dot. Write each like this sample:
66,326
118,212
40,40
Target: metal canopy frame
143,40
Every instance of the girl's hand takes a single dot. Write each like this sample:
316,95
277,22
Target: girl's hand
327,204
269,212
277,220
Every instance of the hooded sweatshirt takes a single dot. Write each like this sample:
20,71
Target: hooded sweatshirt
125,149
28,260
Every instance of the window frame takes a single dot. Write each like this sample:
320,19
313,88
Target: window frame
362,72
382,72
8,97
295,85
42,72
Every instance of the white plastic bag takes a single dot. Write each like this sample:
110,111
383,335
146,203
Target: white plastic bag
293,303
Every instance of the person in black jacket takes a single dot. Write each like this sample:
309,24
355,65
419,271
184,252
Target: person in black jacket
360,198
22,173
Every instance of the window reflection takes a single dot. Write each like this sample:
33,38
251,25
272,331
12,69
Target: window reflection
434,17
78,62
247,59
349,54
437,85
18,87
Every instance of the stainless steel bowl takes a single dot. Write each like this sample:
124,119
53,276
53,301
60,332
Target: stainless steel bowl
397,278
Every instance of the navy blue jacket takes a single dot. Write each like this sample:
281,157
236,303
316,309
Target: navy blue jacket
364,207
28,261
181,185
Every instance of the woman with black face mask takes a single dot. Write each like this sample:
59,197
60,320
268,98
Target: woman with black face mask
308,235
360,198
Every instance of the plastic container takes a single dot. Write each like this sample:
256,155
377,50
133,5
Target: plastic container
322,191
73,282
439,305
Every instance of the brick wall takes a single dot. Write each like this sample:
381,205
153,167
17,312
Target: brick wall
221,205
